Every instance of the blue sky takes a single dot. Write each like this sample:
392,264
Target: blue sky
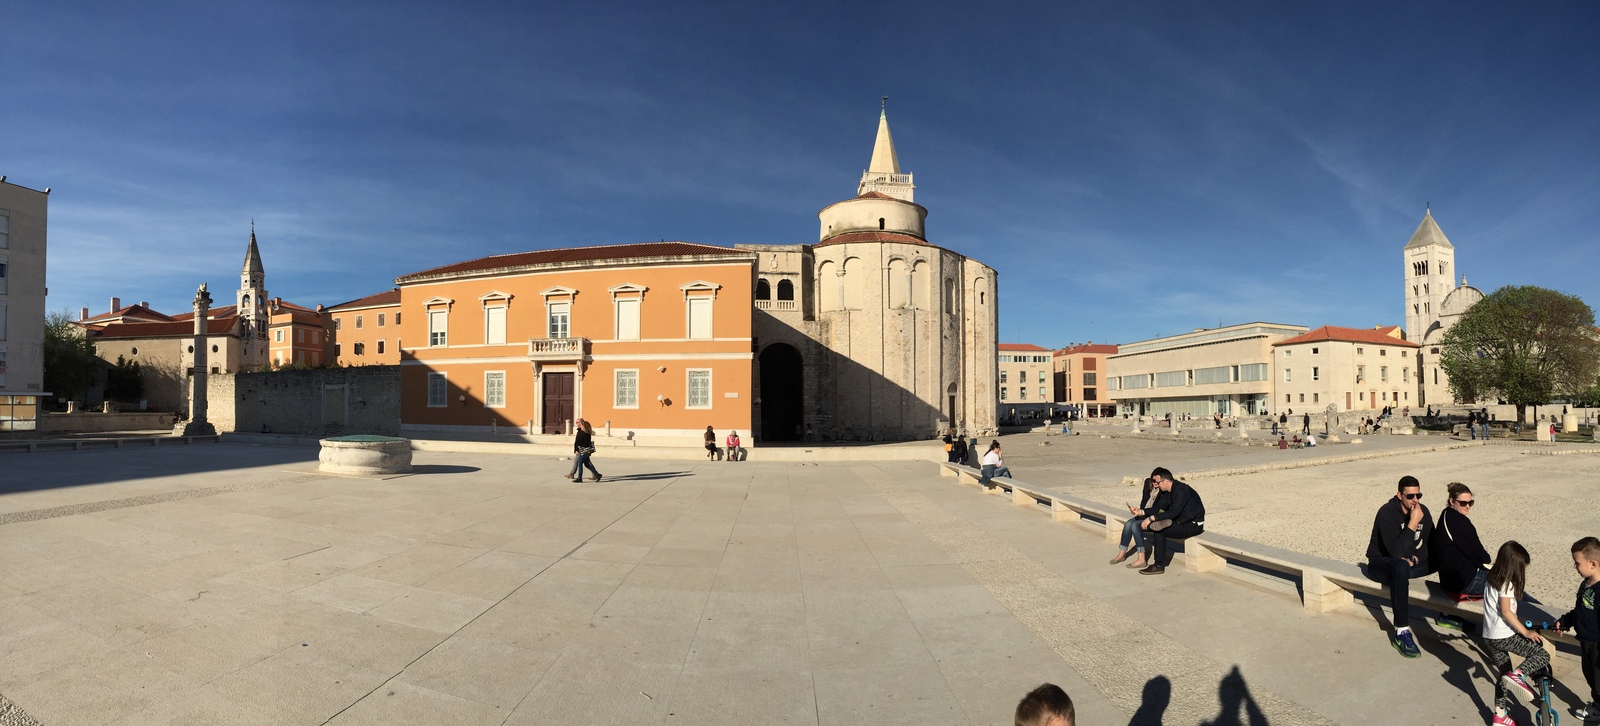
1131,169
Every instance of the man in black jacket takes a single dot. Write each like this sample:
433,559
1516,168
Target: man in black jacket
1186,514
1397,553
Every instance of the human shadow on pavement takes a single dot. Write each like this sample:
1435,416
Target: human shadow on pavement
1460,668
443,469
1239,708
1153,705
648,476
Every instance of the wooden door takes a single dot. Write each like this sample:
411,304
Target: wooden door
558,403
1347,400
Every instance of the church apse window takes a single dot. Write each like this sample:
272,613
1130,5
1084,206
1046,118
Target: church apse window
919,284
829,290
880,223
899,280
763,290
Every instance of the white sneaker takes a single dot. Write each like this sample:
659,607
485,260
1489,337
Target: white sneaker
1589,713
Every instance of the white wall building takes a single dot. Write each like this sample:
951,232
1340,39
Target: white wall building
24,216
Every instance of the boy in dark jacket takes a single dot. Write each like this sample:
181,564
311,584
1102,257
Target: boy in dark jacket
1583,618
1397,553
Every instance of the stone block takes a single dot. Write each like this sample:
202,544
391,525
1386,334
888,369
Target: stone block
1569,423
1321,595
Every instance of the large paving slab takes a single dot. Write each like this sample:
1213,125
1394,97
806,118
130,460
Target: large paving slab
230,584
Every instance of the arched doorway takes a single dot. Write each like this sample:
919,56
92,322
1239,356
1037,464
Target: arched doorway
782,393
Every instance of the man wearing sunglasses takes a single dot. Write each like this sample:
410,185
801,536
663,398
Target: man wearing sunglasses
1398,554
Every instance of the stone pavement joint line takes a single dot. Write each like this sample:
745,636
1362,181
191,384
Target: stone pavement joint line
1091,636
34,515
11,715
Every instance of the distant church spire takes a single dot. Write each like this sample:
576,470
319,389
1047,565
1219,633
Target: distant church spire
883,173
252,254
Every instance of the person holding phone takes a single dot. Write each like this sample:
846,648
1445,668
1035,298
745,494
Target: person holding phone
1133,529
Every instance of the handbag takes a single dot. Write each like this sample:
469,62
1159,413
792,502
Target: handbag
1160,524
585,450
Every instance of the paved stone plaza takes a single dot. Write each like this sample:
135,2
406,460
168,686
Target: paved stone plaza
231,584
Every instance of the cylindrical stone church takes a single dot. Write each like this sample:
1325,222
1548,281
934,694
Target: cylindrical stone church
872,333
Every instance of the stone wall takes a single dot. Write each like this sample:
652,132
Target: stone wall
63,423
319,402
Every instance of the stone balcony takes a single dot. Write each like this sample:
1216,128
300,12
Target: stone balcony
558,349
786,305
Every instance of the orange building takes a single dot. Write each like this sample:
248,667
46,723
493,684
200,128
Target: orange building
651,339
296,335
367,330
1080,378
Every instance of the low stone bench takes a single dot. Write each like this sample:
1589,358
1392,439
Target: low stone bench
1324,584
365,455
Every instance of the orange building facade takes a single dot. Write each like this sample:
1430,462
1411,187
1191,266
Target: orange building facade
1080,379
651,340
367,330
296,335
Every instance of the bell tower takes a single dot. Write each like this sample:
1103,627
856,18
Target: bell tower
1429,262
883,174
252,295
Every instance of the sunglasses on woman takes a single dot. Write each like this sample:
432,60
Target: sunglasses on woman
1464,502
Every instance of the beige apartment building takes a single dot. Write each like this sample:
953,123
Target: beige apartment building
23,218
1211,370
1080,382
1349,368
1025,380
366,331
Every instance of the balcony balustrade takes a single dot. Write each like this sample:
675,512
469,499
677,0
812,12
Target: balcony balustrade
558,348
777,305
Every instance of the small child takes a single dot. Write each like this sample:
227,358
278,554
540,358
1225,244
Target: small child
1586,559
1503,632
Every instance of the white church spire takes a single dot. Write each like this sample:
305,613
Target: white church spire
883,174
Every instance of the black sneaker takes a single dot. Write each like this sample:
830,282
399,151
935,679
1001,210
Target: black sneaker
1406,643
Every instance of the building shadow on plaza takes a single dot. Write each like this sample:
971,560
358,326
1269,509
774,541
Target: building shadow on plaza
25,472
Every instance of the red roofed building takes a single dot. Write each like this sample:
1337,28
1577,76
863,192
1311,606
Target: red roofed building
254,333
366,331
1025,381
1350,368
1080,383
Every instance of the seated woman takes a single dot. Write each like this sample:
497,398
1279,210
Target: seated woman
1454,548
993,466
1151,501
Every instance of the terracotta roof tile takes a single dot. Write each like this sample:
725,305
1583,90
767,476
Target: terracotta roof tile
226,311
871,236
577,254
1346,335
166,330
1023,346
1088,348
135,311
387,297
874,195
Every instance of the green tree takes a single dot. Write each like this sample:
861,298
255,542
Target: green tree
1525,344
124,381
69,359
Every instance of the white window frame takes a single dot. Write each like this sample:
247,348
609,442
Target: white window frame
444,393
550,308
688,388
277,335
491,300
688,317
380,319
488,390
358,322
494,334
616,388
380,346
1286,377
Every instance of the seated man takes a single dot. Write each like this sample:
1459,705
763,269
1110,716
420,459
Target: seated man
1184,517
1397,553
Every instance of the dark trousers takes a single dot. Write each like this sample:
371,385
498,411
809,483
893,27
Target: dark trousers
1591,668
1182,530
1397,574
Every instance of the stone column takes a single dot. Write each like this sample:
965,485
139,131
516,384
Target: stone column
197,425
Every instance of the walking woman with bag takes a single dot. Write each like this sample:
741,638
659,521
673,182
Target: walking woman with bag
582,449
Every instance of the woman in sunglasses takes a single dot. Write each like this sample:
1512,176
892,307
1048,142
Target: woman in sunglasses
1455,550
